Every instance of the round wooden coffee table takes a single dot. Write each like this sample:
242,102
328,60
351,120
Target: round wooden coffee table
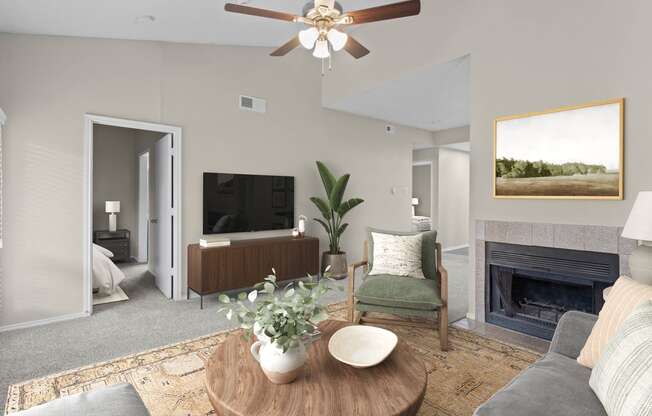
237,386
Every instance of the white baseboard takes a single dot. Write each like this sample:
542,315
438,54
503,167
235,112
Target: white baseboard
455,248
46,321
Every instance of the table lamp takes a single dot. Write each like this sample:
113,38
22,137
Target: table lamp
112,207
415,202
639,227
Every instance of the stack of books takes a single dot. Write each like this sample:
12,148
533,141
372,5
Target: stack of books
206,243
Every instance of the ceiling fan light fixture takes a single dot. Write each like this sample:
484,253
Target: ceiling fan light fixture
337,39
321,49
308,37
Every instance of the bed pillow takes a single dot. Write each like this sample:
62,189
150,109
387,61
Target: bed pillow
108,253
622,376
625,295
397,255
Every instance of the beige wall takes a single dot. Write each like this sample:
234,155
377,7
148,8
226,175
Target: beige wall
49,83
453,198
115,175
525,56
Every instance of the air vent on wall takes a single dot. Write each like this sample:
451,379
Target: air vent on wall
253,104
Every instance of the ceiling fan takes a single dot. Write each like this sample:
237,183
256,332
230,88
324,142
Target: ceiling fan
323,18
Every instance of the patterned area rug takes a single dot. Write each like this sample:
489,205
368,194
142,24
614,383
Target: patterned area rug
170,379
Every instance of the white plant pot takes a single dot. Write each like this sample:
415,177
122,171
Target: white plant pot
279,367
260,335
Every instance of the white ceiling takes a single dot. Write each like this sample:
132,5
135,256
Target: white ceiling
192,21
434,98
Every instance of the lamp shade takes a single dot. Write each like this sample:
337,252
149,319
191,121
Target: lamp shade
639,223
308,37
415,201
112,206
321,49
337,39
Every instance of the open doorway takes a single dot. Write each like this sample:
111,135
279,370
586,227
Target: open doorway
143,207
422,196
132,211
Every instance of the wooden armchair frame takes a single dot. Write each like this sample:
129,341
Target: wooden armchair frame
356,316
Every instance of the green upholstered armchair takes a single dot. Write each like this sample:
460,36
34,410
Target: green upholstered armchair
405,297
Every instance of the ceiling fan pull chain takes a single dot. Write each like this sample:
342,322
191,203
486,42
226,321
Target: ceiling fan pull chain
322,67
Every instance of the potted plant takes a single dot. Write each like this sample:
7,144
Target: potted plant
284,322
333,209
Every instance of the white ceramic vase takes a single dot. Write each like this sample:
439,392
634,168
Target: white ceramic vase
279,367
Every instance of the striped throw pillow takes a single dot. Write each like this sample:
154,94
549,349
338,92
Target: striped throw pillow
622,378
397,255
625,295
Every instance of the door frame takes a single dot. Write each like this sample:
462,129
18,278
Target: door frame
142,155
177,270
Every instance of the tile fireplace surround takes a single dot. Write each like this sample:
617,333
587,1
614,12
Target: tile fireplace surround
596,238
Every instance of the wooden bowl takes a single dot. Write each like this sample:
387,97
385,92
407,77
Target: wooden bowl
362,346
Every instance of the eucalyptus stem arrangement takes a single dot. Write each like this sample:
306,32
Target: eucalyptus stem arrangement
286,316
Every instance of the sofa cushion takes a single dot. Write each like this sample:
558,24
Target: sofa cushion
401,292
622,378
554,385
120,399
624,296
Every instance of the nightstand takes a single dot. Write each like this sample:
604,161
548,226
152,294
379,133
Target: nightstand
115,241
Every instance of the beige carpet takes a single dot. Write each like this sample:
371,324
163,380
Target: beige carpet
170,379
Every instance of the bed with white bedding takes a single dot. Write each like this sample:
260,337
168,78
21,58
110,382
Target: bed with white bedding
420,223
106,275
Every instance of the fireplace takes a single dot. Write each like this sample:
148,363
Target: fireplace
529,288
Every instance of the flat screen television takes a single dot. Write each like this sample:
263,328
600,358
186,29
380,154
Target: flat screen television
239,203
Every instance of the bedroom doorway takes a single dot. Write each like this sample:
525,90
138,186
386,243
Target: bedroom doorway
423,196
143,207
132,194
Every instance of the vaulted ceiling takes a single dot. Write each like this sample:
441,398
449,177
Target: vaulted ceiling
433,98
192,21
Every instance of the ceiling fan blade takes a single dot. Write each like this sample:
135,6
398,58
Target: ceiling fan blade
386,12
283,50
254,11
355,48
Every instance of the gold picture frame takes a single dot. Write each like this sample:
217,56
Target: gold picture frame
554,179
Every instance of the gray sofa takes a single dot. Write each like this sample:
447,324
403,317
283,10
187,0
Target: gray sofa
120,399
556,385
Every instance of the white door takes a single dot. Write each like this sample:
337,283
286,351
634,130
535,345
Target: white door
143,206
161,216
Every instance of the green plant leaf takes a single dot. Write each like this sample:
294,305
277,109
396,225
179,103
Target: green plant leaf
242,296
347,206
336,195
323,207
323,224
327,177
224,299
342,228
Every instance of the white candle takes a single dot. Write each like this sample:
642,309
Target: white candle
302,226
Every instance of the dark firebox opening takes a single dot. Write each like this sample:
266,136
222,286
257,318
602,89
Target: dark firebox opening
530,288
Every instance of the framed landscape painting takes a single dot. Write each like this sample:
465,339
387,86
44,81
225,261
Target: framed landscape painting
567,153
